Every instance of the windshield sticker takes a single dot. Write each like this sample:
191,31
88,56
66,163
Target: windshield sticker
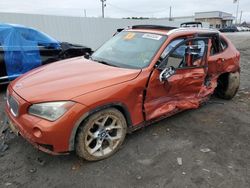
129,36
152,36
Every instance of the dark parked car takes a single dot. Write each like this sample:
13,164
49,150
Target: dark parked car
23,49
229,29
192,24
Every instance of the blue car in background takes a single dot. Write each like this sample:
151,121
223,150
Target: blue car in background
23,49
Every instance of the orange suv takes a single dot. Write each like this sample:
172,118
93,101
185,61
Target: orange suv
142,74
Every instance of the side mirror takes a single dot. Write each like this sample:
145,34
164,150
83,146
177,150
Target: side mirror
86,56
167,73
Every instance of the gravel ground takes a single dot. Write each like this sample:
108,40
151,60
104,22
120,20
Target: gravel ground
207,147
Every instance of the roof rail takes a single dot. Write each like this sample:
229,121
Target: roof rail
160,27
191,24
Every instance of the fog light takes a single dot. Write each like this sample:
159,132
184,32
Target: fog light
37,132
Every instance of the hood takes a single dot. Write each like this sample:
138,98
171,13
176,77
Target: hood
69,78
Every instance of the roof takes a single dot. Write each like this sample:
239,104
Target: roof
188,31
164,30
158,27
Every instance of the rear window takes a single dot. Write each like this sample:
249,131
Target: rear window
223,44
218,45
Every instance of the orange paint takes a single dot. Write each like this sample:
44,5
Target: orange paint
94,86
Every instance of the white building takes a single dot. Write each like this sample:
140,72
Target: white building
216,19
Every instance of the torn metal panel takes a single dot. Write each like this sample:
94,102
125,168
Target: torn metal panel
181,90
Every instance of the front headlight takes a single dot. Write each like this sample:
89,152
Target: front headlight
50,110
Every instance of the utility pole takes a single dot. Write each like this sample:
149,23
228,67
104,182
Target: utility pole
85,13
237,10
241,16
170,13
103,7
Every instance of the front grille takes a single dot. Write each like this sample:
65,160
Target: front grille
13,105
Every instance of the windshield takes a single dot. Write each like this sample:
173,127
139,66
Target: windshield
129,49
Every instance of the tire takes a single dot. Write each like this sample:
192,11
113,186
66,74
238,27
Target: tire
101,135
228,85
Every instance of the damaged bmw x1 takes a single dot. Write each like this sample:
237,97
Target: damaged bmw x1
142,74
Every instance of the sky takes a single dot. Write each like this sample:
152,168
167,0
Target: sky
125,8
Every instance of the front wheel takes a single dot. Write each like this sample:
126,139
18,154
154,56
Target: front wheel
228,85
101,135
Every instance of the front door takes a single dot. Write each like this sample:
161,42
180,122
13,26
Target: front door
180,91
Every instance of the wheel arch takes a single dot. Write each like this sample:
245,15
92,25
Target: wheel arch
223,75
117,105
223,82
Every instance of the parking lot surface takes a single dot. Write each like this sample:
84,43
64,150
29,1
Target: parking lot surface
207,147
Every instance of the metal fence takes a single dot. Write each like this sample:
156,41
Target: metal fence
91,32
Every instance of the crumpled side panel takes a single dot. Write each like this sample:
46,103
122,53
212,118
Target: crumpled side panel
173,105
208,90
180,92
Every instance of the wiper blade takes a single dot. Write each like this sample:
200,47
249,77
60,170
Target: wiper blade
106,63
103,62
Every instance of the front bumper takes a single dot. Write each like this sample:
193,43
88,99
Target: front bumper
18,131
50,137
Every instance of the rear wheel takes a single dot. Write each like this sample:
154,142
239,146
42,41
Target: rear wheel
101,135
228,85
